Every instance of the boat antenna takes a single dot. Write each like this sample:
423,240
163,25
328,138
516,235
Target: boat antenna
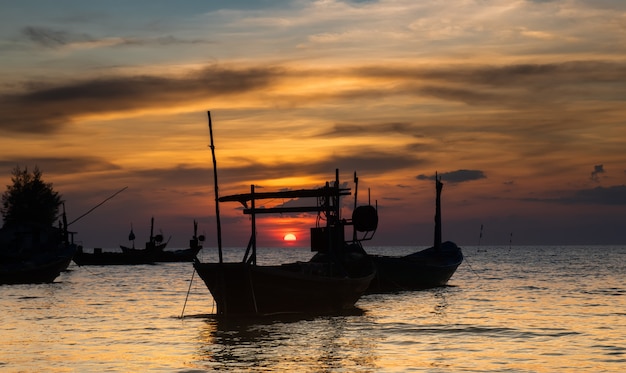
217,202
131,235
96,206
439,186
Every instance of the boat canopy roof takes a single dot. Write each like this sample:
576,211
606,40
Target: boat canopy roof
326,191
300,193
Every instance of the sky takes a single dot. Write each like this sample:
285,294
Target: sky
519,106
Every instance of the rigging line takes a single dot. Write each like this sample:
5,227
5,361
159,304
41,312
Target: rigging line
470,266
98,205
91,272
188,291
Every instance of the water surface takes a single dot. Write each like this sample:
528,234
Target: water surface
519,309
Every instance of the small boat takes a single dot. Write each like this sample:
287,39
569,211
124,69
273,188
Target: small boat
183,255
331,282
155,243
35,270
99,257
153,253
128,255
32,254
428,268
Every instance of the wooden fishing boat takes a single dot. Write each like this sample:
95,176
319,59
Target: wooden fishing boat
428,268
99,257
156,246
332,281
37,269
154,243
183,255
424,269
153,253
128,255
31,253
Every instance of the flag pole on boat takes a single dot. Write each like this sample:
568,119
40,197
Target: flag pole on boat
217,203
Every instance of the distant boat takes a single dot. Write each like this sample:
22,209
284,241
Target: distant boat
183,255
99,257
128,256
332,281
424,269
31,253
154,252
154,243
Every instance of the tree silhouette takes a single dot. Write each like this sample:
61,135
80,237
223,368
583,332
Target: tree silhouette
29,199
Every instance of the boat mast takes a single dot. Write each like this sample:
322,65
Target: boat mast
336,200
356,192
439,186
217,203
253,238
152,229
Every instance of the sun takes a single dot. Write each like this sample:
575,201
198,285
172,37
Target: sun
289,237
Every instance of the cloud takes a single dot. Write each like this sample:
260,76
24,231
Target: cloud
367,161
59,165
45,108
249,171
458,176
614,195
52,38
597,169
348,129
513,85
587,89
180,175
47,37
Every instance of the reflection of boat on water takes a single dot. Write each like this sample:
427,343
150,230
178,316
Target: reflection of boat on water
283,343
424,269
332,281
31,253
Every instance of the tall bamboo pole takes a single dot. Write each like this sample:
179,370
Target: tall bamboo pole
217,202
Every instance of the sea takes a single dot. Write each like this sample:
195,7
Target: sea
506,309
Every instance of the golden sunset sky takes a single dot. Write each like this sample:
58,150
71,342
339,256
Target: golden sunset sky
520,106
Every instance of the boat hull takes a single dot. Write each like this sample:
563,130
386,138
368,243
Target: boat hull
245,289
149,247
31,253
113,258
425,269
186,255
42,268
